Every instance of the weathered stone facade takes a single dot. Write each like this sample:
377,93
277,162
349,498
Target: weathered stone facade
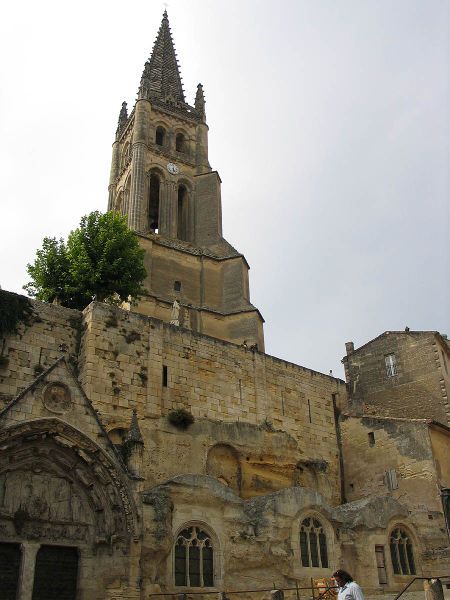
400,374
140,457
265,451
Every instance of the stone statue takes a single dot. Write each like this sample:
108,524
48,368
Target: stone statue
175,316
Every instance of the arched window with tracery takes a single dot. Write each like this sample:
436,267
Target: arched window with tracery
194,558
313,543
402,554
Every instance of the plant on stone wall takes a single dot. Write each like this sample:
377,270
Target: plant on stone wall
267,425
102,258
14,309
38,369
180,418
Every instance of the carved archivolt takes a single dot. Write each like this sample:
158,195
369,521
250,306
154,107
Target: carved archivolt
56,484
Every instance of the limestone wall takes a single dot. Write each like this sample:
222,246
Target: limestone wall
418,390
214,293
395,457
35,347
122,363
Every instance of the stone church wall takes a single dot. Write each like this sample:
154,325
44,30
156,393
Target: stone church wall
35,346
126,359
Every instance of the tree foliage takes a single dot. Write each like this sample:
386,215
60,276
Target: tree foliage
14,309
102,258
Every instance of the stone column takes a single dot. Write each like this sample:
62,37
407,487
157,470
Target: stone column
136,208
190,224
201,149
164,213
171,208
26,581
113,174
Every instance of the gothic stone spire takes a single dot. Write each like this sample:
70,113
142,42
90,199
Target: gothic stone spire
123,119
161,76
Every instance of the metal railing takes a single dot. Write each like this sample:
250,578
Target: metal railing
409,584
316,592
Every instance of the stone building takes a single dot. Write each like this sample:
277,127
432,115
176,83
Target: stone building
400,374
160,450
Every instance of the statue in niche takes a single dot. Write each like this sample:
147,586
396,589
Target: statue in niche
175,315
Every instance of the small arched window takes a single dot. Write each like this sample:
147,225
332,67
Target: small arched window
313,543
160,135
194,564
402,555
180,143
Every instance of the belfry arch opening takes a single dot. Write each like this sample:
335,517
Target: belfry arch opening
153,203
160,136
182,213
180,143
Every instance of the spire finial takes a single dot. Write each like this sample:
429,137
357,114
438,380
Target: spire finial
134,433
200,100
123,119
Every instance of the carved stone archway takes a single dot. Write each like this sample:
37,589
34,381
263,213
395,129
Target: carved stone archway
57,485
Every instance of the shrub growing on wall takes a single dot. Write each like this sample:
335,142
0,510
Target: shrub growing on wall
180,418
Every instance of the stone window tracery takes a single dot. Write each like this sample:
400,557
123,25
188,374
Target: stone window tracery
402,554
313,543
194,558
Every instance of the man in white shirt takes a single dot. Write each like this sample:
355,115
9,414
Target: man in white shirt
348,589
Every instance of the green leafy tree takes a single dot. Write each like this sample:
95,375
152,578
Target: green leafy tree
50,272
101,258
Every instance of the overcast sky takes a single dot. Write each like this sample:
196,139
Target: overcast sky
329,126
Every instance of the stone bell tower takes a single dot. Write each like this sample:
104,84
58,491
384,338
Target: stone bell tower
162,180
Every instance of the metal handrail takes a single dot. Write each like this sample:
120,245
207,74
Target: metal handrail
419,579
296,588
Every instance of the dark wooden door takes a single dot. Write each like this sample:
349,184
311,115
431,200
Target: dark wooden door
9,570
55,573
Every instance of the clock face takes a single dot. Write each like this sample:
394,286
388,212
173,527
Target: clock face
173,169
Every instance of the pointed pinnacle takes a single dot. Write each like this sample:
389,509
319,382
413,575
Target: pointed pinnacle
134,433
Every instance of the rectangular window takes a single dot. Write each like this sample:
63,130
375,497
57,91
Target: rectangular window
391,365
391,479
381,564
164,376
371,437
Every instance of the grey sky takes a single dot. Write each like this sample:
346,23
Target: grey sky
329,126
